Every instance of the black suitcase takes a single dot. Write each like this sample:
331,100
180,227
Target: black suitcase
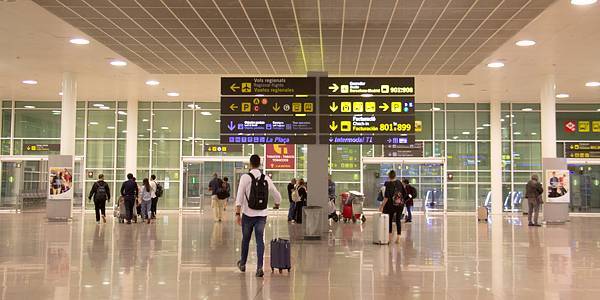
280,255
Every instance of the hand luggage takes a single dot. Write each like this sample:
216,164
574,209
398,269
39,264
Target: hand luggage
347,213
280,255
380,226
482,214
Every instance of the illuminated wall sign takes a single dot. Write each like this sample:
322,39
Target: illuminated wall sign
582,150
274,110
414,150
371,110
267,105
368,85
40,147
280,157
251,86
223,148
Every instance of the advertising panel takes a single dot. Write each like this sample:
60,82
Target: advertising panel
60,183
280,157
557,186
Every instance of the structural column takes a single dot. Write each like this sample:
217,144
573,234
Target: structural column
496,156
68,117
132,134
548,117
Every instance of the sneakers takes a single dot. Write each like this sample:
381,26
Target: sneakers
260,273
530,224
241,267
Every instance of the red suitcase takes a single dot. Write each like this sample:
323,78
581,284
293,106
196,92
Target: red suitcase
347,213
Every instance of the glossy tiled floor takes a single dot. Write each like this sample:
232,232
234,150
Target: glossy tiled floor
190,257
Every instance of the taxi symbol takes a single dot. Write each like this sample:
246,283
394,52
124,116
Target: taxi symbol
345,125
308,107
346,107
396,106
370,107
246,87
357,107
246,106
296,107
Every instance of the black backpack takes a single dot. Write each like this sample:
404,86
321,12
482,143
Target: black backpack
159,190
259,192
101,192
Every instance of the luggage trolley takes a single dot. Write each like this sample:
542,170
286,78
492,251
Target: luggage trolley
353,206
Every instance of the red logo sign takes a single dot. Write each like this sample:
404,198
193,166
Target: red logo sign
280,156
570,126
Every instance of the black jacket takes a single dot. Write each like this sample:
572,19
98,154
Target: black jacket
290,189
95,188
302,193
129,189
390,192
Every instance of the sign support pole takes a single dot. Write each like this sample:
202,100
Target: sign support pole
317,165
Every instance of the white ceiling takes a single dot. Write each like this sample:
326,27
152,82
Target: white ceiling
34,45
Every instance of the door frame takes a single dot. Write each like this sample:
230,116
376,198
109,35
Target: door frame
202,159
22,158
409,160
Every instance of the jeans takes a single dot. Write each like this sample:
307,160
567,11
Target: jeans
298,210
409,213
534,208
153,207
258,225
292,211
129,203
395,216
147,209
100,208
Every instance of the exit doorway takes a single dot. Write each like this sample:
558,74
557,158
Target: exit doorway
425,174
198,171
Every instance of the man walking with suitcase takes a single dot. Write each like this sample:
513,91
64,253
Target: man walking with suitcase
251,211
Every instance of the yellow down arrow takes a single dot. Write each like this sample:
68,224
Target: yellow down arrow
333,126
276,107
384,106
333,107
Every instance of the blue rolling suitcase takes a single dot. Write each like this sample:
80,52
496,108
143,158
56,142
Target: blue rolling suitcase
280,255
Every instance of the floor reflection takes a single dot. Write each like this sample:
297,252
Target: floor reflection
192,257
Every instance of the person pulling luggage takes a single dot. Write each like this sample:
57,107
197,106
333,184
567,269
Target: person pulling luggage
101,194
251,211
393,203
409,196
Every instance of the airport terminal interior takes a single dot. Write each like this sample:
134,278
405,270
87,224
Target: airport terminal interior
465,99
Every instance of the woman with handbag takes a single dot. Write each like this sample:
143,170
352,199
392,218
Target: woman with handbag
393,203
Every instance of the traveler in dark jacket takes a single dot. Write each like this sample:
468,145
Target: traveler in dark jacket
533,193
393,190
291,187
303,194
409,197
101,193
129,191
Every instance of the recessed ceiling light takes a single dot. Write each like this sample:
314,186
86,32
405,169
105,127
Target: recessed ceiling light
172,94
527,109
79,41
592,83
104,107
496,64
164,128
436,109
30,81
93,123
562,95
486,125
29,106
152,82
466,132
118,63
455,137
517,133
534,133
525,43
190,106
122,113
110,127
56,111
583,2
218,120
60,93
453,95
479,128
144,120
206,113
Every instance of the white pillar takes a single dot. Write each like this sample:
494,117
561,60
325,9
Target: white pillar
496,156
68,116
132,134
548,117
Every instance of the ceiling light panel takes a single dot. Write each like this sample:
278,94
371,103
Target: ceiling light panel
291,37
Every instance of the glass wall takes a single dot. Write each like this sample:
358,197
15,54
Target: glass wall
101,137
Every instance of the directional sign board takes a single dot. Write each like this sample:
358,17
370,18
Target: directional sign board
270,86
268,110
375,86
371,110
267,105
582,150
